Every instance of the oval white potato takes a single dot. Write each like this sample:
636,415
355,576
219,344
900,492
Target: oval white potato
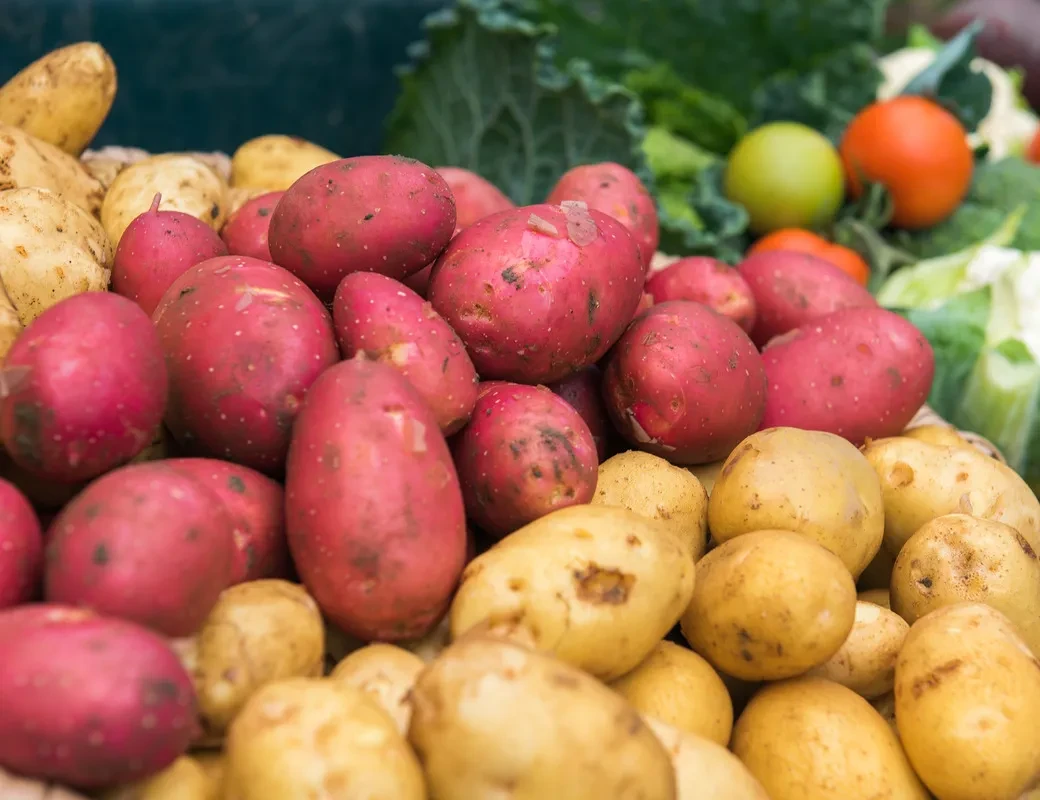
597,586
274,162
62,97
185,183
28,162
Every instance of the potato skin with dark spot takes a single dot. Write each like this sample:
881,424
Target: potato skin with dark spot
145,543
373,507
525,452
539,292
858,373
685,383
388,322
244,340
384,214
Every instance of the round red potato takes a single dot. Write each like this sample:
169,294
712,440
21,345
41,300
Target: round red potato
373,507
158,247
245,233
87,388
856,373
21,548
384,214
791,289
525,453
617,191
145,543
386,321
539,292
244,340
475,197
714,283
582,392
685,383
89,701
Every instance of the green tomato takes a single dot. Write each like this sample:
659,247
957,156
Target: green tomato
786,175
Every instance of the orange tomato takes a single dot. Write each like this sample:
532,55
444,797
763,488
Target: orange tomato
917,150
1033,150
847,260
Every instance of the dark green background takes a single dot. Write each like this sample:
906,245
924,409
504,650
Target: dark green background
209,74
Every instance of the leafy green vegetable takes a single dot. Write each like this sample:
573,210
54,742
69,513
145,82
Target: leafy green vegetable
950,81
998,188
484,93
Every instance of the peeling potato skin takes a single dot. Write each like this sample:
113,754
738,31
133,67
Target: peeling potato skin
387,674
493,720
26,161
812,738
596,586
678,687
257,633
657,490
967,701
769,605
810,482
303,738
921,481
866,661
957,558
62,98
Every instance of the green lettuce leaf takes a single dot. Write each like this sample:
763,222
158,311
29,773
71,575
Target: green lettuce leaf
483,92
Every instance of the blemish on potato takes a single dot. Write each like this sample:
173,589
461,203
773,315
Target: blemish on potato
1026,547
935,677
901,475
603,585
100,555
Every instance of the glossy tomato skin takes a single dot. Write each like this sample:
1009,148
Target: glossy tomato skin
802,241
786,175
917,150
1033,150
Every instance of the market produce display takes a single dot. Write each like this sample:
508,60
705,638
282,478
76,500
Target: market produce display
520,464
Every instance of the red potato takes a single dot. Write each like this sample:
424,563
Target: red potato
475,197
386,321
245,233
257,508
685,383
384,214
86,388
373,506
525,453
89,701
617,191
244,340
157,248
539,292
44,494
791,289
856,373
145,543
582,392
21,548
706,280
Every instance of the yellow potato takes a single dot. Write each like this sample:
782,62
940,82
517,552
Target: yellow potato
813,483
258,632
922,481
968,704
214,764
307,738
596,586
678,687
705,770
26,161
492,720
769,605
707,474
866,661
879,597
49,250
386,673
275,162
184,779
878,574
813,739
958,558
655,489
937,434
63,97
185,183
